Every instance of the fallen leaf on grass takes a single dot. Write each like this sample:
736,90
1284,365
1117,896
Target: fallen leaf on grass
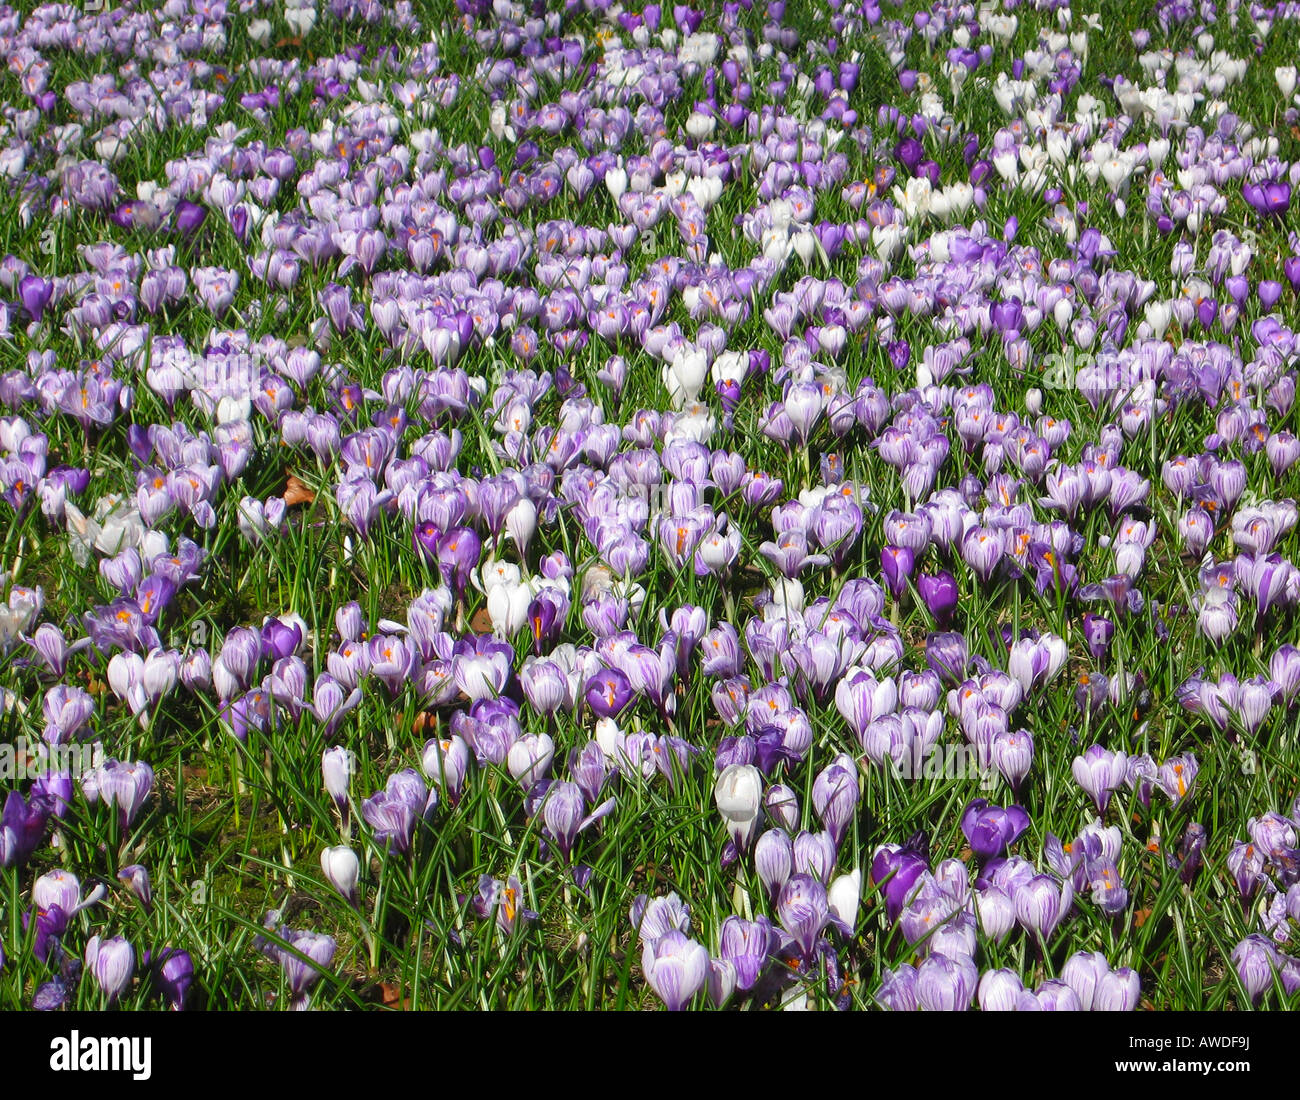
296,492
392,997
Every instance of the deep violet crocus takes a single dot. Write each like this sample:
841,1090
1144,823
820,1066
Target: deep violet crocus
991,830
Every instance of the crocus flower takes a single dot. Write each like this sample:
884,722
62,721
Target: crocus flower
1269,198
1042,903
803,910
738,792
1100,771
173,974
1255,960
136,879
748,946
111,963
505,899
835,796
896,869
342,870
939,593
675,967
991,830
946,984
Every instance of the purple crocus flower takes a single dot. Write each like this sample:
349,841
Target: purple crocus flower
1255,960
897,564
563,814
136,879
503,898
173,974
608,693
393,812
111,963
991,830
675,967
446,763
940,595
458,553
946,984
124,784
835,797
303,966
748,946
1117,991
1099,771
35,293
895,869
188,217
947,654
1042,903
338,766
803,911
1269,198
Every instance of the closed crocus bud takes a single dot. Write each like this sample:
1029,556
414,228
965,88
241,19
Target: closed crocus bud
126,786
897,564
990,830
424,540
111,962
738,793
280,637
1042,903
338,765
446,763
1052,996
173,973
774,859
529,758
721,982
843,899
835,797
1117,991
897,991
1255,959
814,854
1012,753
747,945
945,984
1000,990
782,806
997,912
1083,972
35,293
939,593
676,968
342,870
895,871
948,655
803,911
302,975
136,879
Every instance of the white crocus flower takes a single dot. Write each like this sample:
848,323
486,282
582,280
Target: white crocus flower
684,377
738,793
